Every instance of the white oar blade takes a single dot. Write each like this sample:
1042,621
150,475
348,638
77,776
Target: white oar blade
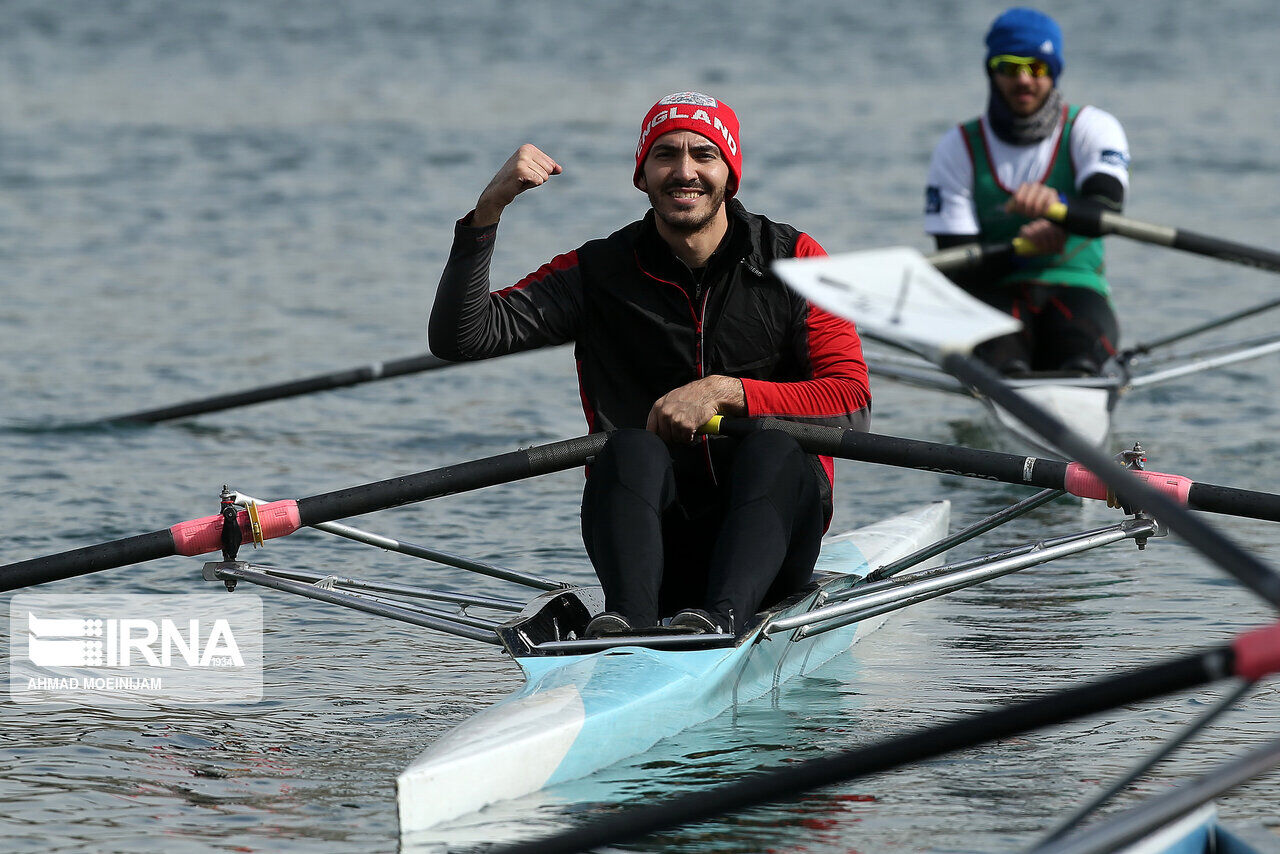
896,295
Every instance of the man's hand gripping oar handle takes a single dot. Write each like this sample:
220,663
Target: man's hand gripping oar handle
1094,221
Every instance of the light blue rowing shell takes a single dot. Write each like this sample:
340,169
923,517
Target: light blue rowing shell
1197,832
577,714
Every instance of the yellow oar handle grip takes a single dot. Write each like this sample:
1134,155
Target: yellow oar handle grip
712,427
1057,212
1024,247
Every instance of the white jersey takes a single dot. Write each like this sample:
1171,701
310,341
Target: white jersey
1098,146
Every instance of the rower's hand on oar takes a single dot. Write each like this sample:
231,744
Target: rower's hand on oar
1047,238
1032,201
678,414
528,167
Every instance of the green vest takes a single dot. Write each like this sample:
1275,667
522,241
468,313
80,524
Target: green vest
1081,261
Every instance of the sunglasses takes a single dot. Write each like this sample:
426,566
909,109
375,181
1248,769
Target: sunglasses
1015,66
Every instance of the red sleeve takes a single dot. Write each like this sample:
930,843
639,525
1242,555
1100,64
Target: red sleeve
838,392
807,247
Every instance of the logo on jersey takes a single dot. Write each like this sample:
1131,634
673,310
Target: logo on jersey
932,200
1116,158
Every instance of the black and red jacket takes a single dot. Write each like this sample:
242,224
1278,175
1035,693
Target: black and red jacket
644,324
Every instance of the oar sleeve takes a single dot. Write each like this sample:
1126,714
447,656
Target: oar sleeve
190,538
1257,653
204,535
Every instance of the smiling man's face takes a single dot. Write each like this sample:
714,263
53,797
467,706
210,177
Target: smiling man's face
686,179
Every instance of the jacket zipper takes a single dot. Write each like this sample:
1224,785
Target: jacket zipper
698,308
702,370
701,347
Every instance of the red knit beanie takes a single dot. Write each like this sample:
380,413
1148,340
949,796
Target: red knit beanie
701,114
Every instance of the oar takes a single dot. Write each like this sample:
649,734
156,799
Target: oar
893,294
1137,772
1118,831
1095,222
292,388
1206,360
948,260
1144,347
1250,656
967,256
280,518
1041,472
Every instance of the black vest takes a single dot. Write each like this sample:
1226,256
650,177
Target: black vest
644,333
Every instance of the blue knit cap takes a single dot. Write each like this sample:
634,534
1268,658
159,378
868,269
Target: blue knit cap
1027,32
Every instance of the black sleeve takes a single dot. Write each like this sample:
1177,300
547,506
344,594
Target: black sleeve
468,322
1104,189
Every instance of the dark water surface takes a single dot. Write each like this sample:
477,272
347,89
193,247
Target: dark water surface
197,198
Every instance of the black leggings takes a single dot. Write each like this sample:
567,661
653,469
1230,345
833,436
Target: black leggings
1064,328
748,543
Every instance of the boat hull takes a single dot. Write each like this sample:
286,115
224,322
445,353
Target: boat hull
1085,410
1085,404
577,714
1198,832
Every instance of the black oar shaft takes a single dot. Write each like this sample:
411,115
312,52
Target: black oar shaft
852,444
1095,222
293,388
1225,250
1118,832
504,468
463,477
967,256
789,783
89,559
1240,564
1234,502
964,535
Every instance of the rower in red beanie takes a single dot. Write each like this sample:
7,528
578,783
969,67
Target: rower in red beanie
675,318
